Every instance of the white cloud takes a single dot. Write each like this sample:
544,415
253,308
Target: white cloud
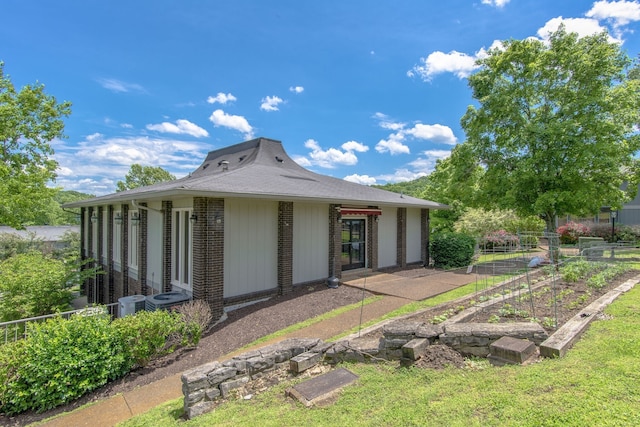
460,64
427,163
270,103
95,164
619,13
221,98
386,123
582,26
496,3
360,179
182,126
393,145
331,157
355,146
436,133
239,123
302,161
401,175
115,85
126,125
296,89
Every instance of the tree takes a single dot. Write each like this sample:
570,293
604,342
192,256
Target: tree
29,121
140,176
555,128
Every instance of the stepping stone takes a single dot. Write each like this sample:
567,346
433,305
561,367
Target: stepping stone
509,350
321,388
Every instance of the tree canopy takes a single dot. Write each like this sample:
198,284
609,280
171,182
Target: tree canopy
29,120
555,129
140,176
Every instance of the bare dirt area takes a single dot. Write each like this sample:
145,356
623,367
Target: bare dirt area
545,304
242,327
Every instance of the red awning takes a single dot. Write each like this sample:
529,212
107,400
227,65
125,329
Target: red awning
360,211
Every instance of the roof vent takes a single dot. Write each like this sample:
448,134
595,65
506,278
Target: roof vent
224,164
279,160
242,158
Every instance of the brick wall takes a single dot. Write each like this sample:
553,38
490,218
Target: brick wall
143,230
335,242
372,240
167,218
208,252
424,236
285,247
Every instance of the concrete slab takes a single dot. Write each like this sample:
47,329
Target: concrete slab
421,284
323,387
509,350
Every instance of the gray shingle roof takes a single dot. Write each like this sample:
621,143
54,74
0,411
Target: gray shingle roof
260,168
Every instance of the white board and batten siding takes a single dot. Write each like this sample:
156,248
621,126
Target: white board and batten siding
155,247
387,237
251,246
310,242
414,252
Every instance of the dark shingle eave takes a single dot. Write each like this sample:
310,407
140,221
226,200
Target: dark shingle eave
260,168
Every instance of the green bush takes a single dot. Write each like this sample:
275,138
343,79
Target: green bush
59,361
479,222
452,250
149,334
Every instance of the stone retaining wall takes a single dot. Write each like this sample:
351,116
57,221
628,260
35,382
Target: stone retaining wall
402,340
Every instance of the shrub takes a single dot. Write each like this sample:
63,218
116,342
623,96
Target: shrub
149,334
59,361
570,232
499,238
479,222
196,315
452,250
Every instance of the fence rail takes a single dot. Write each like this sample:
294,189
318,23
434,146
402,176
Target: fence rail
17,329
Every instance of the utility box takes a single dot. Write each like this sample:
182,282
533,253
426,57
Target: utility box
131,305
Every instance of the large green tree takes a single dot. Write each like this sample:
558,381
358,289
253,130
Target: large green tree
140,176
29,120
555,126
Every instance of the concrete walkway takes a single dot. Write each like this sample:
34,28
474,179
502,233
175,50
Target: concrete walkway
397,289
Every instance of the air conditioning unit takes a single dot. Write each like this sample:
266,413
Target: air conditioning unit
165,301
131,305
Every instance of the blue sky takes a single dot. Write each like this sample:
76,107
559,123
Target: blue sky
369,91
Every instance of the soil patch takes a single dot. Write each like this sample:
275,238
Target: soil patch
551,305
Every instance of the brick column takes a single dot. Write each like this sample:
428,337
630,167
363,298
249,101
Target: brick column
285,247
143,229
91,294
109,289
372,240
167,217
424,236
401,242
335,242
99,255
124,253
208,253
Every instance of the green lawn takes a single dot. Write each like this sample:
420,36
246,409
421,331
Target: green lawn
597,383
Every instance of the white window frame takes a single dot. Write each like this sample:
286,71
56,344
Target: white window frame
133,242
117,240
182,248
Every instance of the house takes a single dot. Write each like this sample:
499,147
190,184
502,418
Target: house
51,237
248,224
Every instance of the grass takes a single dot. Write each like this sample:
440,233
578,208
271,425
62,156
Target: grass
595,384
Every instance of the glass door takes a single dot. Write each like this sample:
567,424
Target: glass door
353,244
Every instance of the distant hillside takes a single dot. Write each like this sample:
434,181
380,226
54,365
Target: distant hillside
415,188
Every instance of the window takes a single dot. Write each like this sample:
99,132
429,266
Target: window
134,219
181,248
117,239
